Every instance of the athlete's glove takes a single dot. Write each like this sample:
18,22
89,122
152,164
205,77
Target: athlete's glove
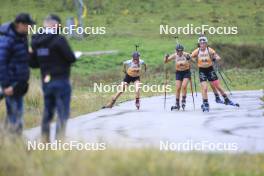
188,57
166,58
213,59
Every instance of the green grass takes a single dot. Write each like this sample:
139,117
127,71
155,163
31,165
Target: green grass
138,22
111,162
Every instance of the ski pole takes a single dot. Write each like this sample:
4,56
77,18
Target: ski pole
177,39
219,69
192,93
137,46
165,85
225,83
223,79
224,74
194,78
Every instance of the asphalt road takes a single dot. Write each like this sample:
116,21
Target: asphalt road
124,126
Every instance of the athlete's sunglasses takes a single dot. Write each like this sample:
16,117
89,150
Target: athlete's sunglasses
202,41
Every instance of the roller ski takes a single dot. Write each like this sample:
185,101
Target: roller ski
229,102
218,100
137,103
109,105
205,107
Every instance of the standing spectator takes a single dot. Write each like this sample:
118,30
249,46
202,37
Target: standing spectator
53,55
14,69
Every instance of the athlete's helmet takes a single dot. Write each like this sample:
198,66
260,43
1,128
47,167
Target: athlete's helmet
202,39
179,47
136,54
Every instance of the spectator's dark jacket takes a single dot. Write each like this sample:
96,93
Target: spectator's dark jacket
52,53
14,56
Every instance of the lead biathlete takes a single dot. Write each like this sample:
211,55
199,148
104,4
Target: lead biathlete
205,57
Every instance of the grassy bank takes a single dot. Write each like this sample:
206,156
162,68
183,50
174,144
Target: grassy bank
111,162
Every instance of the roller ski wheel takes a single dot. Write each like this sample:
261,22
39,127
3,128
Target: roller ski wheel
205,107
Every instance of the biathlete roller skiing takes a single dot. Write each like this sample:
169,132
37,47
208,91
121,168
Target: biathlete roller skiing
206,57
183,74
133,70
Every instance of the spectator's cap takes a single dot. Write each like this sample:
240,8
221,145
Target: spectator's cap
24,18
54,17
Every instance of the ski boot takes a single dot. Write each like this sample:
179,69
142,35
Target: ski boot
229,102
109,105
137,103
218,100
177,106
205,107
183,105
